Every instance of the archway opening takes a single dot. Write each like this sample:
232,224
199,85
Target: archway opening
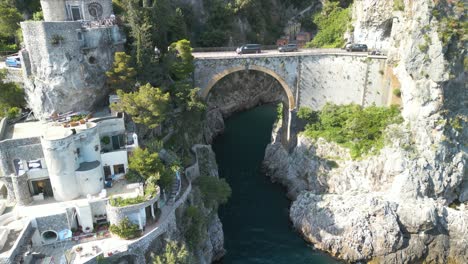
238,89
49,236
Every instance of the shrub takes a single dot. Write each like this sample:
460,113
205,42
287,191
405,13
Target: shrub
332,164
351,126
105,140
423,47
125,229
332,23
56,39
279,111
398,5
78,118
173,254
307,114
151,188
397,92
121,202
195,222
132,176
13,112
215,191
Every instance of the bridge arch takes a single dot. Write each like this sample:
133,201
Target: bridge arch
284,85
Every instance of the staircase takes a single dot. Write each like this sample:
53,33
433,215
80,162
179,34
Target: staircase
175,189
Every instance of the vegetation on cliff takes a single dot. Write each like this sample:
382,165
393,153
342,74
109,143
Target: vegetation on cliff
332,22
173,254
11,98
214,191
352,126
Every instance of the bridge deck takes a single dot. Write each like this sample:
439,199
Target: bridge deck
276,53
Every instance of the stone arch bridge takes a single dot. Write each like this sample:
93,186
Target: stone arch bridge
308,78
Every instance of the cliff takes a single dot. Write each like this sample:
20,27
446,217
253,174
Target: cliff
403,204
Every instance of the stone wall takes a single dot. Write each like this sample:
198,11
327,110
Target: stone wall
116,214
3,127
341,80
21,189
55,222
23,239
22,149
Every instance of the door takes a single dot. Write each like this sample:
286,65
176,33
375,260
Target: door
107,171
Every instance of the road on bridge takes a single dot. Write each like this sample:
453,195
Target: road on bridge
268,53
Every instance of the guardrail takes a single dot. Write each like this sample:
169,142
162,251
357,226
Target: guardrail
214,49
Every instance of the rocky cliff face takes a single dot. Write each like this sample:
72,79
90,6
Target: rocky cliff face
392,207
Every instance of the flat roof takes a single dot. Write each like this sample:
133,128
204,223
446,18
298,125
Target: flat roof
25,130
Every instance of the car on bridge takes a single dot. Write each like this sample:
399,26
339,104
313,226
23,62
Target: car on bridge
249,48
288,48
13,61
356,47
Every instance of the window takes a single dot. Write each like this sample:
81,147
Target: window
80,36
34,164
119,169
75,13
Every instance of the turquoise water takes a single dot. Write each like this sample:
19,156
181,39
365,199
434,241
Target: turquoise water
255,220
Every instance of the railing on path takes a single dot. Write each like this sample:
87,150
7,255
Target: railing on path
214,49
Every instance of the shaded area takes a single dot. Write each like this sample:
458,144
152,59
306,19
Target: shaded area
256,219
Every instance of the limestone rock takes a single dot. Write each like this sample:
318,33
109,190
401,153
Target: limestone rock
392,207
351,227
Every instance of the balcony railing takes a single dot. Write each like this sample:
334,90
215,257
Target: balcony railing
104,22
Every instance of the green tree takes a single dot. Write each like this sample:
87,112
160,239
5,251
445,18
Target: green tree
215,191
180,60
147,106
177,26
11,97
145,163
9,20
122,75
332,23
173,254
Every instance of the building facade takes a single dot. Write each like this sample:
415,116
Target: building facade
63,163
65,57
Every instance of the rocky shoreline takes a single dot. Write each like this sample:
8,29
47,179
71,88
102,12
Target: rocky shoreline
408,203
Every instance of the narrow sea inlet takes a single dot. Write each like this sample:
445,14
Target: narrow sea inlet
255,220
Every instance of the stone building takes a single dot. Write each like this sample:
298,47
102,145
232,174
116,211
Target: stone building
66,55
63,163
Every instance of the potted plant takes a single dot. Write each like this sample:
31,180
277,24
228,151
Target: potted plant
105,140
56,39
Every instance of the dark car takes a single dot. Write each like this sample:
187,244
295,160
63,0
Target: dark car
249,48
288,48
356,47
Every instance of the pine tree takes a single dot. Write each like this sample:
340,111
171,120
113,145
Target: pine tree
122,75
147,106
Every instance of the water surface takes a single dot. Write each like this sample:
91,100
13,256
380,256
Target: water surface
255,220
